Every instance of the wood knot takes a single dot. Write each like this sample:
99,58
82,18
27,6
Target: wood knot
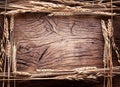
24,49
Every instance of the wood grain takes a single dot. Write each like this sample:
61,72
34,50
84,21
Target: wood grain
57,42
116,25
1,26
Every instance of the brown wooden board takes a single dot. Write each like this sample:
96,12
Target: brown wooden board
1,26
64,83
116,82
57,42
1,34
116,25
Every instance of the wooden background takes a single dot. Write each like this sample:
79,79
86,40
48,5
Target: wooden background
57,42
60,43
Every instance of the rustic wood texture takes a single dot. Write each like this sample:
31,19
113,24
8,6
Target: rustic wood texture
116,82
116,25
1,34
1,26
64,83
53,83
57,42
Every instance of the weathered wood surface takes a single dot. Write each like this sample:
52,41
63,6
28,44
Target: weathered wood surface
53,83
116,82
1,26
64,83
116,25
57,42
1,34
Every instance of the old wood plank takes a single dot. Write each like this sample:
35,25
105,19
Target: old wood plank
57,42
